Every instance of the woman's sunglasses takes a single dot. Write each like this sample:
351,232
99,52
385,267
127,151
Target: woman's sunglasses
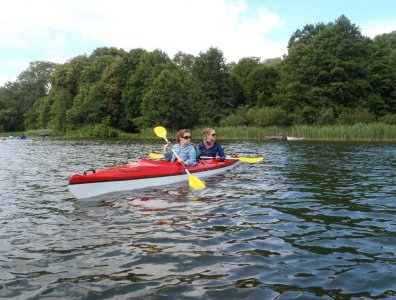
213,134
186,137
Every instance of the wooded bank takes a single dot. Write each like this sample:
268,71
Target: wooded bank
332,75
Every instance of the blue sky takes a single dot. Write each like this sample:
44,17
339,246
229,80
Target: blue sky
56,31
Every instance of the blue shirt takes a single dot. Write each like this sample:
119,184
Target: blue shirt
215,151
187,154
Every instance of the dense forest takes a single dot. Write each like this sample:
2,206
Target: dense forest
332,74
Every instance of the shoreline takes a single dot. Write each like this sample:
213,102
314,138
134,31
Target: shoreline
375,132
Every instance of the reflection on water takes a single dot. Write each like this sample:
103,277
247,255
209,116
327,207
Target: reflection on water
313,221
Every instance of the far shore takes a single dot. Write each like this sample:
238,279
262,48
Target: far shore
356,132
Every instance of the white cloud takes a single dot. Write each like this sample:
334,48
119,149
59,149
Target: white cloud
373,29
46,29
172,25
4,79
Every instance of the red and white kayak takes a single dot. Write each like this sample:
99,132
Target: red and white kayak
144,173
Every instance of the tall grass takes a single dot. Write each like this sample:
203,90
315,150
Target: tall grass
356,132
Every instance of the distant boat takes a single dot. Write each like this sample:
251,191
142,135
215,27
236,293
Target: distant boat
15,140
284,138
294,138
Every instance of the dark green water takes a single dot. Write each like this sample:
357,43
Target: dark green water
313,221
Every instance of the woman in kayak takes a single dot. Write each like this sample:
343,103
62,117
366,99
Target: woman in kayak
210,147
184,149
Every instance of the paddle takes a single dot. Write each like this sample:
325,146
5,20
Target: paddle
156,155
244,159
193,181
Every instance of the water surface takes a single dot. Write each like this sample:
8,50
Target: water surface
313,221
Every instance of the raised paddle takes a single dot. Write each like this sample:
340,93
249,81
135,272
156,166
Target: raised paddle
193,181
244,159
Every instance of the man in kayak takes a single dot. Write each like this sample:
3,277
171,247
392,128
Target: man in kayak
184,149
210,147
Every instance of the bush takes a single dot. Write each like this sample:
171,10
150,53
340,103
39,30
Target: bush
101,130
389,119
141,122
353,116
268,116
326,117
305,115
239,118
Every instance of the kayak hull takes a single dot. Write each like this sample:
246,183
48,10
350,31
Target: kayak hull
295,138
16,140
145,173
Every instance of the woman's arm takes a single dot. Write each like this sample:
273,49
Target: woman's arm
167,153
192,156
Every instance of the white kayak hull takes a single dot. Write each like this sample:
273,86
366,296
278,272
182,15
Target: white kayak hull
295,138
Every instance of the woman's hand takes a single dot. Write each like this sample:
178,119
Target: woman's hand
166,147
182,161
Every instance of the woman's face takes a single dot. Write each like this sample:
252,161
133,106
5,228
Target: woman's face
211,136
185,138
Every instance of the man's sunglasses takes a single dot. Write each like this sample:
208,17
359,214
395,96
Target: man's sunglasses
186,137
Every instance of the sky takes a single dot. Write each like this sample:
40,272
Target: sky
58,30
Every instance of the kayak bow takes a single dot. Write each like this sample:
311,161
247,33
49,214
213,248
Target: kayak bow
144,173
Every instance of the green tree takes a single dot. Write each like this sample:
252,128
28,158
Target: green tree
167,102
10,116
149,66
241,83
17,98
35,80
211,70
67,76
89,105
261,84
88,108
111,85
184,61
108,51
326,67
61,102
383,74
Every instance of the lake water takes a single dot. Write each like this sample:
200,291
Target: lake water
312,221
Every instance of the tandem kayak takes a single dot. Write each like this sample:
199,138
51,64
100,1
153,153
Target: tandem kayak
144,173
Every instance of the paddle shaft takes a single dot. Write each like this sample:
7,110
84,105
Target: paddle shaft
244,159
217,157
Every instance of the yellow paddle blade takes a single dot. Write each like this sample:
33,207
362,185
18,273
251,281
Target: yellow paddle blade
160,132
156,155
250,159
196,183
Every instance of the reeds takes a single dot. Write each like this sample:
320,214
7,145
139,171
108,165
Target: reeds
356,132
